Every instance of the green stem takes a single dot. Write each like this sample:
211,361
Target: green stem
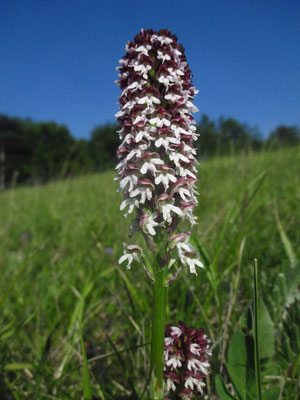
256,348
158,324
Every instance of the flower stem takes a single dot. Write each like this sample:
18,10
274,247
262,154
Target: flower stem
158,324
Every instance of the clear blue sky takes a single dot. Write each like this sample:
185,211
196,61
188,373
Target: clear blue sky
58,58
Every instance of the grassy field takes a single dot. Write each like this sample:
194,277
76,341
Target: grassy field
72,320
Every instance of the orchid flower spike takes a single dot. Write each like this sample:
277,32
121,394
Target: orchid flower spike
157,166
185,360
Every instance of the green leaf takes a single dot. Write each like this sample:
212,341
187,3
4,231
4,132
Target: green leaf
271,394
41,370
266,335
86,382
241,365
292,283
17,366
221,389
286,241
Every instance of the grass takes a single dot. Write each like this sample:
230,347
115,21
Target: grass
75,325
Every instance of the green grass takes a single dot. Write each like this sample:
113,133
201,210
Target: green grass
73,322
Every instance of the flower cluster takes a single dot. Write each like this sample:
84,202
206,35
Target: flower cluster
185,360
156,166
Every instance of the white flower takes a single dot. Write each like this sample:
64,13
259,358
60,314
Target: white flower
162,56
149,100
144,191
129,257
183,193
165,178
165,141
166,210
170,384
151,165
131,253
131,203
130,180
175,361
177,157
144,49
164,40
176,332
167,80
148,223
169,341
192,263
192,382
160,122
195,349
188,256
197,365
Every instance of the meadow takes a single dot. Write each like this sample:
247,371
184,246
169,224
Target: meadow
76,325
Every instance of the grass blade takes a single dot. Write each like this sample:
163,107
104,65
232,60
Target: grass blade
286,241
86,382
256,347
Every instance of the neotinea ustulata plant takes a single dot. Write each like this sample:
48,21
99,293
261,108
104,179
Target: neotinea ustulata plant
157,174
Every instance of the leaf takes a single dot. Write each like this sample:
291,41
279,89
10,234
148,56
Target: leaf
40,373
266,335
221,389
17,366
271,394
286,241
292,283
86,382
241,365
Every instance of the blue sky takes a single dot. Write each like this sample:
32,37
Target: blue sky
58,58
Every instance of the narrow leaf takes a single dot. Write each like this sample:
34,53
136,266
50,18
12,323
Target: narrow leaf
86,382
